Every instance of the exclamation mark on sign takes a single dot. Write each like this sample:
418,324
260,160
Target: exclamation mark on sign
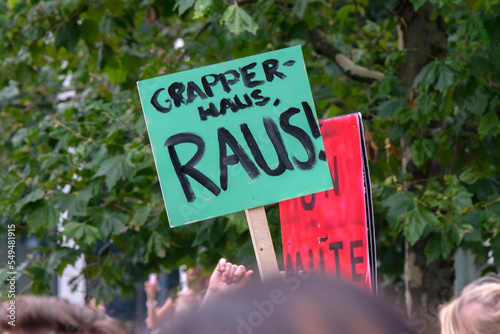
313,125
311,120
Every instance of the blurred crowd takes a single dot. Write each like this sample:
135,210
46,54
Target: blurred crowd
231,302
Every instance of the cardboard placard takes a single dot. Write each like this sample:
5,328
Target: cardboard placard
332,232
235,135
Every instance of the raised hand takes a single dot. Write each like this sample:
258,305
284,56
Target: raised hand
151,289
228,277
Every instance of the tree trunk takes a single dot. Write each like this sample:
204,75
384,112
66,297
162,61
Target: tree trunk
424,39
426,286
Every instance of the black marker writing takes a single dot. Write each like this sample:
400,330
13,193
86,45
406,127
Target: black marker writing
188,168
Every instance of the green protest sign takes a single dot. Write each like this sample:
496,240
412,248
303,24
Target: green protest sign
235,135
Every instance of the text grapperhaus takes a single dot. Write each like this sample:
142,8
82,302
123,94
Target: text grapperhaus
246,125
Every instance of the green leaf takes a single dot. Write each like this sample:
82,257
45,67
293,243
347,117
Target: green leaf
156,245
183,5
458,233
471,223
446,77
106,25
427,76
117,75
97,158
112,169
33,196
54,259
468,176
461,201
90,31
81,232
440,244
203,8
112,222
41,277
395,58
398,204
237,20
344,11
480,62
44,218
11,4
428,147
299,8
429,217
7,94
140,215
451,180
68,6
418,3
220,6
67,36
421,150
488,122
446,244
417,154
396,131
416,222
476,103
238,221
473,234
414,227
21,135
424,102
202,237
433,248
389,108
106,58
75,204
404,115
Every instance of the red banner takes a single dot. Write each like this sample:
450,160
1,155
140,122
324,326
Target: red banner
331,232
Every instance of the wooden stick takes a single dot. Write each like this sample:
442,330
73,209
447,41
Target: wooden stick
262,242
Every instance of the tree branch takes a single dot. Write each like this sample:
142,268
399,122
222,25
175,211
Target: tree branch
350,69
77,135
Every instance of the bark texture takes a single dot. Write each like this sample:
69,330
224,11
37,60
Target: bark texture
424,39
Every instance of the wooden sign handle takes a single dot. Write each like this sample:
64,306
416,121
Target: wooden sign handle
262,243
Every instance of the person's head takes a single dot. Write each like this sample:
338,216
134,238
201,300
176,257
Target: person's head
51,315
475,311
295,305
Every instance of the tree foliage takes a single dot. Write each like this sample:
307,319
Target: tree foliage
73,137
